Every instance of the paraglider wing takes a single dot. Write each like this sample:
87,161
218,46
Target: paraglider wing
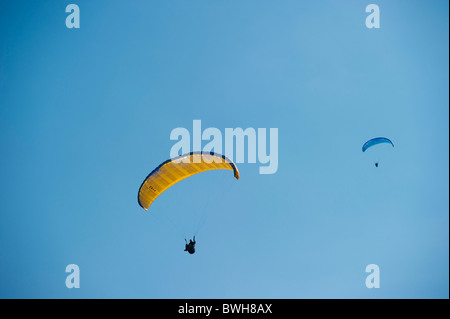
176,169
375,141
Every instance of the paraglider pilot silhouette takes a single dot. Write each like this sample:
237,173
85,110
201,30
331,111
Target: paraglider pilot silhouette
191,246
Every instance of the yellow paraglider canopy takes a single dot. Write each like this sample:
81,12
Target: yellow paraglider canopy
176,169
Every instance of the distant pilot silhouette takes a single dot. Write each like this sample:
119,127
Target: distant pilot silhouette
190,248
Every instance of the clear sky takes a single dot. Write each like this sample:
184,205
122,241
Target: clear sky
86,114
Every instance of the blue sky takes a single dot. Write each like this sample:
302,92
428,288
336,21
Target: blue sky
86,114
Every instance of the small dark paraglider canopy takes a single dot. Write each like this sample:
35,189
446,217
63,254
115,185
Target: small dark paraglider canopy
375,141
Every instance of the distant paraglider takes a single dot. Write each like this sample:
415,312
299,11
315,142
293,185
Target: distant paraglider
376,141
